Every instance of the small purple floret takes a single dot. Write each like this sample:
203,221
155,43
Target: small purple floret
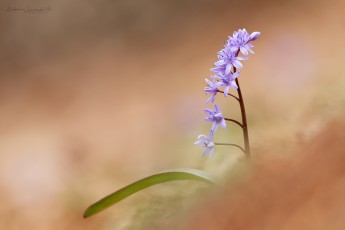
229,81
240,41
227,60
212,88
216,117
207,143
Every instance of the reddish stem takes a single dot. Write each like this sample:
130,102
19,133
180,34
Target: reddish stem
244,120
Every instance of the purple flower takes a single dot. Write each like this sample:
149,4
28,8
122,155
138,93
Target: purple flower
212,88
207,143
229,81
240,41
216,117
227,60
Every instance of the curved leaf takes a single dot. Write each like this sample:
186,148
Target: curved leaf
171,175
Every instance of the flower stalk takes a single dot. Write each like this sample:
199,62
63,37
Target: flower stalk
233,120
231,145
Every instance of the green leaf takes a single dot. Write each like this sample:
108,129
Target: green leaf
171,175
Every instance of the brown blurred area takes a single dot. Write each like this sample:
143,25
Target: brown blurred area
96,94
305,191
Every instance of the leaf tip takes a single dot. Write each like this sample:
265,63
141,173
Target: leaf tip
87,213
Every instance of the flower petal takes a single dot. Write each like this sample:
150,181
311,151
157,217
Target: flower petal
209,111
235,75
244,50
234,85
234,48
211,99
199,142
238,64
226,91
204,152
211,152
254,36
223,123
217,108
214,127
228,68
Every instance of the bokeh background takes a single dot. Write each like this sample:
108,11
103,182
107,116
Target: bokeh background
97,94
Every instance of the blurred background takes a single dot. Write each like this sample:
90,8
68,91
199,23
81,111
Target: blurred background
97,94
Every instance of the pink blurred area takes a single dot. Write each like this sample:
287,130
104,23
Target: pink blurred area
94,95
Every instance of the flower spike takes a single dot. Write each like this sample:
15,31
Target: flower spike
226,72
